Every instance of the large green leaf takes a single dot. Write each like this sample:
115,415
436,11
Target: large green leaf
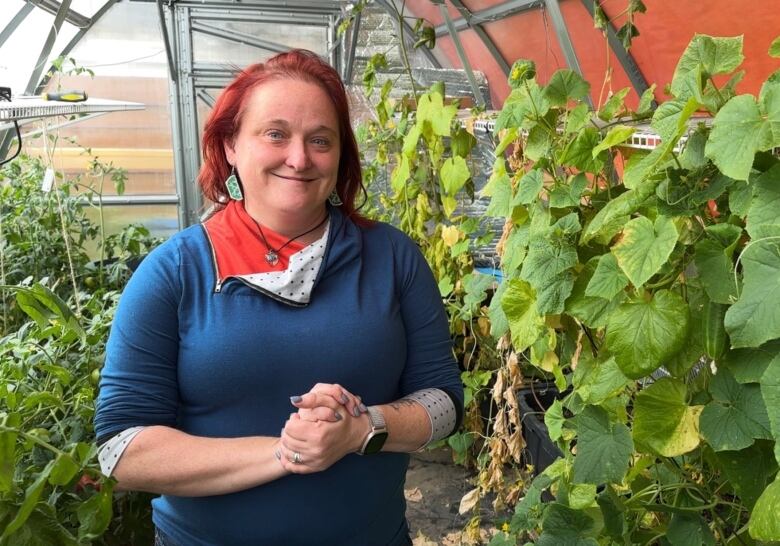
454,174
615,136
716,271
570,193
537,145
748,470
604,448
590,310
608,280
400,175
671,116
597,380
689,530
645,247
498,322
547,267
528,187
736,416
432,109
622,205
755,318
664,423
31,496
639,171
739,130
748,365
579,152
565,85
764,212
519,305
770,392
563,526
764,523
712,55
501,201
554,420
8,450
95,514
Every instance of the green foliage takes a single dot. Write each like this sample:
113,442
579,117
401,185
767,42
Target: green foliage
650,299
614,283
58,306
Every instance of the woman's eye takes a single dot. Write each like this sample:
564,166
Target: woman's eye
275,135
321,141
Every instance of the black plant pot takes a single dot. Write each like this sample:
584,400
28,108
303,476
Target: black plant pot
539,451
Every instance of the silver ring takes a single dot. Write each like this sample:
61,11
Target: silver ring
296,458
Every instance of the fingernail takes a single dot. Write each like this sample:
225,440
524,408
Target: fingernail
344,398
338,416
363,407
295,399
356,411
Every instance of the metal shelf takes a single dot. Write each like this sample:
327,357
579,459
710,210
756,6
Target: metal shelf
24,109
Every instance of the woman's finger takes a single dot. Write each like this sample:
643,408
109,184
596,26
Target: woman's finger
312,400
352,402
320,413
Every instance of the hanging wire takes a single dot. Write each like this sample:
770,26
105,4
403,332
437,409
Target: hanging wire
5,95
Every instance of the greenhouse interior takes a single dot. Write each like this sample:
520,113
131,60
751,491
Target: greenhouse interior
578,209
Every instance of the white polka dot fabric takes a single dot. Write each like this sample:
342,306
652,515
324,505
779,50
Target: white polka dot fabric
110,452
296,282
441,411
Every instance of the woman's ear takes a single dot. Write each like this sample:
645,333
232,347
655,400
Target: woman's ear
230,153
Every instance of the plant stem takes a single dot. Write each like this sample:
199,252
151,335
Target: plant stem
33,439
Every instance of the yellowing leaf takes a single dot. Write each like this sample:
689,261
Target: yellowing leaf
469,501
450,235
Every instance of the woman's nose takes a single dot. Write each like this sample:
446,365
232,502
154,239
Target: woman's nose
297,155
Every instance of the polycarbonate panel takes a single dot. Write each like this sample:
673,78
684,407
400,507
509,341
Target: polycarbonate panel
207,48
19,54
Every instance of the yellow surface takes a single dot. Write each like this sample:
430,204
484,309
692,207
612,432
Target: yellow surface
131,159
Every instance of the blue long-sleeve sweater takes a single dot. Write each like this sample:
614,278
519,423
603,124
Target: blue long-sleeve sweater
224,364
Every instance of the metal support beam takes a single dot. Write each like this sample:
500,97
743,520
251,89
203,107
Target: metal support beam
164,28
564,40
227,15
207,99
53,7
184,120
14,23
482,35
238,37
494,13
350,64
625,58
286,6
389,8
464,60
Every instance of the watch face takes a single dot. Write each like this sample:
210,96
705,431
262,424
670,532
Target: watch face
375,443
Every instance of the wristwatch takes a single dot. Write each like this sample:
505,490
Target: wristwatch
377,435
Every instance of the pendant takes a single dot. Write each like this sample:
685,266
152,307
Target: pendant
271,257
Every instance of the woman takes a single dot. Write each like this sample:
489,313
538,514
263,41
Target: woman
238,344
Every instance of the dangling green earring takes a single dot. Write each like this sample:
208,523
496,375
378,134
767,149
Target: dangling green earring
334,199
233,187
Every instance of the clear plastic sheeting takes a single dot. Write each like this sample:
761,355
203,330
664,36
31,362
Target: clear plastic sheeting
24,30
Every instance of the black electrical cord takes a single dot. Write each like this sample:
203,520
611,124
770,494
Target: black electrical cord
5,95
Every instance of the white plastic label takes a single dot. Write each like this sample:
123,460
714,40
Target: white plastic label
48,180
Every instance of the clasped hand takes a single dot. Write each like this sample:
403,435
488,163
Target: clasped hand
329,424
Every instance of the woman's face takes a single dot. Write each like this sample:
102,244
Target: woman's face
286,152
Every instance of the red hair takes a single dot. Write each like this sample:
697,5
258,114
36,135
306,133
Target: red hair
225,120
